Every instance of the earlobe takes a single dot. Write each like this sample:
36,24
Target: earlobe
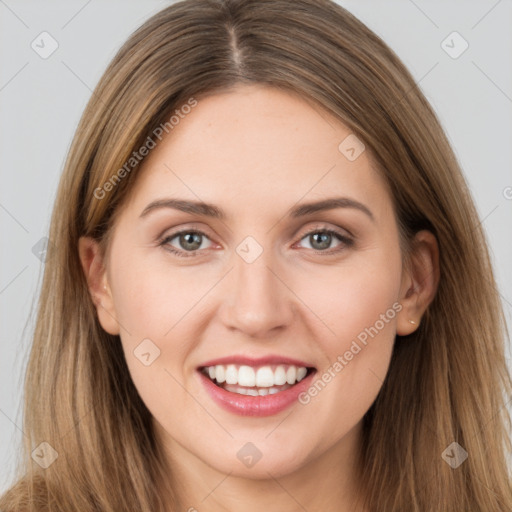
95,274
420,282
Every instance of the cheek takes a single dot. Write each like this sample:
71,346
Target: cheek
359,305
156,304
151,303
351,297
150,296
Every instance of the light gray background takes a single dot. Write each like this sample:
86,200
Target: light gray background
41,101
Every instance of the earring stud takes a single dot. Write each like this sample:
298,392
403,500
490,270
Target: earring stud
413,322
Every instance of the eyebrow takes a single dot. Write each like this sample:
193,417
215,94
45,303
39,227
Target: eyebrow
210,210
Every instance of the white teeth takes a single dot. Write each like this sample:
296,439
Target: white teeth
220,373
255,391
231,374
267,377
301,373
246,376
280,376
291,375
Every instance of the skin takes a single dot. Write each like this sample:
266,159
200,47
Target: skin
240,150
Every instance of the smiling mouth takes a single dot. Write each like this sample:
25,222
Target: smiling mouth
256,381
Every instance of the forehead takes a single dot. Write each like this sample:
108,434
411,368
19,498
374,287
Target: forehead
257,146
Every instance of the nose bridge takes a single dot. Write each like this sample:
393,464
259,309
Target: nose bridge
258,302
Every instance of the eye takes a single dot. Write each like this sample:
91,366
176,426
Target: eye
189,242
321,239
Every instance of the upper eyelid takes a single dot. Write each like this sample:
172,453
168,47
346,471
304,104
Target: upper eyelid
319,226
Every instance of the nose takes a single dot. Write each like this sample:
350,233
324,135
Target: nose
258,301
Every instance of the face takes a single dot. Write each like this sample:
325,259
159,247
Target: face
214,309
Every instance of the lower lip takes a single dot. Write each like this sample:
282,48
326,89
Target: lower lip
246,405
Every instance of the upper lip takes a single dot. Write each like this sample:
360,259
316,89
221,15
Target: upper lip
256,361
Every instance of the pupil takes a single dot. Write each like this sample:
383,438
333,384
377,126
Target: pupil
191,241
325,239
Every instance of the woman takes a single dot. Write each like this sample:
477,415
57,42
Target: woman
271,289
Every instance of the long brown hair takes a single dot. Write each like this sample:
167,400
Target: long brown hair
447,381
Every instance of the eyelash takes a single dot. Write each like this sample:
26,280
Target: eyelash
346,242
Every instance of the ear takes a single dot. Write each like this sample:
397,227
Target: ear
95,273
419,283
